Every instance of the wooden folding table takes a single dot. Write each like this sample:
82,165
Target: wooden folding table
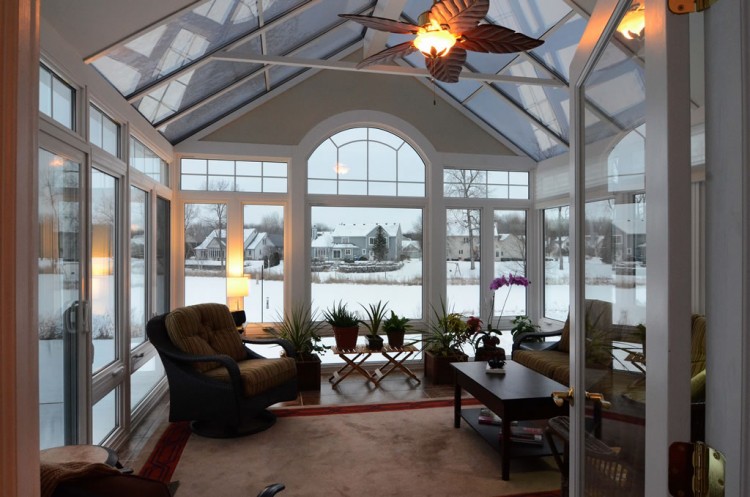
354,360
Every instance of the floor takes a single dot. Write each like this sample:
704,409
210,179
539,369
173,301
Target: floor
353,390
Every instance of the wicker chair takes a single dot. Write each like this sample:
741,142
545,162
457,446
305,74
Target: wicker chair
607,473
215,381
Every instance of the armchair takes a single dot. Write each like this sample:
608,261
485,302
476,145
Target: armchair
215,381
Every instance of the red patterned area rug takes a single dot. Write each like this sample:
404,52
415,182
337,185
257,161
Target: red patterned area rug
412,448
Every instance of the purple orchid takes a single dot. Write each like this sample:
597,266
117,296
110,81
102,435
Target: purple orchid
509,281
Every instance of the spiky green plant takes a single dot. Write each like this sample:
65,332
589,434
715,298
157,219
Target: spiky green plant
300,326
340,316
375,316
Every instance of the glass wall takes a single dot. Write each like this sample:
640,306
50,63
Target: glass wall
362,255
139,239
56,98
104,305
510,259
462,254
263,256
556,262
205,229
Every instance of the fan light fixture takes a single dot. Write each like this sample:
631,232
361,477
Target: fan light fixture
434,41
444,34
633,24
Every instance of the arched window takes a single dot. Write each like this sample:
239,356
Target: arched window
366,161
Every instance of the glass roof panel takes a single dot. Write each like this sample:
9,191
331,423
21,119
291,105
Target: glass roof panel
218,108
180,40
195,85
461,90
314,21
530,17
546,103
558,49
509,122
619,87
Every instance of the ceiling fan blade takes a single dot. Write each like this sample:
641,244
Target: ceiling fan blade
460,15
388,55
489,38
448,67
382,24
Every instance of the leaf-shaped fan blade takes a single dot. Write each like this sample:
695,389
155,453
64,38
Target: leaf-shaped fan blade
489,38
448,67
388,55
382,24
460,15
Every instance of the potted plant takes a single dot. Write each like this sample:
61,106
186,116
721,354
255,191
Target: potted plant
445,334
345,324
301,328
375,315
486,341
396,327
523,324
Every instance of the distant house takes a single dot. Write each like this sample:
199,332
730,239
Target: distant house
459,245
509,247
354,241
629,233
411,249
257,245
213,247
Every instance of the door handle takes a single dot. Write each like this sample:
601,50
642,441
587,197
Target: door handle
597,397
559,398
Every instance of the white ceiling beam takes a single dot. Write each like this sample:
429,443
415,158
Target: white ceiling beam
379,69
375,40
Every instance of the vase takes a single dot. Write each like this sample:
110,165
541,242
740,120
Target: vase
437,368
346,337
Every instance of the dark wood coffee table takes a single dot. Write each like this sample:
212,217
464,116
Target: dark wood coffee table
520,394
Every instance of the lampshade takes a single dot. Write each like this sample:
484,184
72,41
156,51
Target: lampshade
434,41
237,287
633,24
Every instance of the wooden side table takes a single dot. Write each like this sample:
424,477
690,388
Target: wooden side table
355,358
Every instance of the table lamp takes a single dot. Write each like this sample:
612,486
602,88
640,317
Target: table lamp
237,289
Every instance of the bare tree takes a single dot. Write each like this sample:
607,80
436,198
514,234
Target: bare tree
271,223
466,183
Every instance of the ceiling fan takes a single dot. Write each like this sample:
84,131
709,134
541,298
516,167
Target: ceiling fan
444,34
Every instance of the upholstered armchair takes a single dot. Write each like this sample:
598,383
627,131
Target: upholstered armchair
215,381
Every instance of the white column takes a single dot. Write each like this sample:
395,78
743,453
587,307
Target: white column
19,372
727,50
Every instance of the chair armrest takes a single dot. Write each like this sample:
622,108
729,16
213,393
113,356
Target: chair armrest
285,344
223,359
533,335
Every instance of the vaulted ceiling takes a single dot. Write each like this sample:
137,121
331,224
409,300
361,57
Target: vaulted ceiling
185,65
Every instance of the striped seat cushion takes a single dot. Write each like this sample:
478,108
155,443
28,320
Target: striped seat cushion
205,329
552,364
258,375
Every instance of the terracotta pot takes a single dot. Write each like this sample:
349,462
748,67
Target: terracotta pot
308,373
396,338
438,368
346,338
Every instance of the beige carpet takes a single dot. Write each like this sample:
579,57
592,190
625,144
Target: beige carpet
376,454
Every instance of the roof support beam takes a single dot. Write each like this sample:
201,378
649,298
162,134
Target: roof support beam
381,69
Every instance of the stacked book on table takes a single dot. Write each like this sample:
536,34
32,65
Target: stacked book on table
530,432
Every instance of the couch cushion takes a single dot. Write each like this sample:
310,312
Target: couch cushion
564,345
551,363
258,375
205,329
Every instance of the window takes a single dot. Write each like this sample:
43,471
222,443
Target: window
477,183
56,98
366,161
510,258
556,262
233,176
205,231
139,241
391,274
462,254
103,131
145,160
263,247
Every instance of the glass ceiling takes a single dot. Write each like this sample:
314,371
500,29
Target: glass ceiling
205,62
